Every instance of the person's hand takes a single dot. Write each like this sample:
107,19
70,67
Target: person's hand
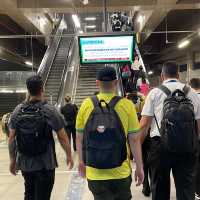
13,169
70,162
82,169
139,176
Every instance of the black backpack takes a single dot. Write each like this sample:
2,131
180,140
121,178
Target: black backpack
104,142
178,126
32,130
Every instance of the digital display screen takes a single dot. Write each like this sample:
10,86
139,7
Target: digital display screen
106,49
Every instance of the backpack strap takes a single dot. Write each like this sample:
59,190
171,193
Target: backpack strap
165,90
186,90
95,101
114,101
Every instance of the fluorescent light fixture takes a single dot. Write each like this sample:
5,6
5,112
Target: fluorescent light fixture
90,18
76,21
43,21
21,91
85,2
183,44
29,63
140,19
6,91
150,72
90,26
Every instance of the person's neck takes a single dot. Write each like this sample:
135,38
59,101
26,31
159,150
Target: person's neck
197,91
170,78
36,98
107,91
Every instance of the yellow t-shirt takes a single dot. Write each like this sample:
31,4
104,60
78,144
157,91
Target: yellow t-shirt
128,117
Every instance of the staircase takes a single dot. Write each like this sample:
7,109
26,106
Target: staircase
52,85
86,85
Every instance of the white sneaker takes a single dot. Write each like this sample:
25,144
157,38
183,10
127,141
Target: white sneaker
197,197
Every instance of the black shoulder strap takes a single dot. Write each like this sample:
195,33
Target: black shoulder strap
114,101
95,101
186,90
165,90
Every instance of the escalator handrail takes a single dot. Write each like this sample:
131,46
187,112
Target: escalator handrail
65,69
75,81
53,59
48,51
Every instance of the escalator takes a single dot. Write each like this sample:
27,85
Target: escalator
52,84
57,59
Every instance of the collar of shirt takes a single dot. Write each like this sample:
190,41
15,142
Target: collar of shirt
170,80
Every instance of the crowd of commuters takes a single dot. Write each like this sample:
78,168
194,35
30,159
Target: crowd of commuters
121,22
158,129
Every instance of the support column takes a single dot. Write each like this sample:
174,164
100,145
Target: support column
190,61
105,15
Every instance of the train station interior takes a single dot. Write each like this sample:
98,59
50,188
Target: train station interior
50,37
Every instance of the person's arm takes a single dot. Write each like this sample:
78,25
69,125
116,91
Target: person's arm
136,149
64,141
79,142
145,124
12,151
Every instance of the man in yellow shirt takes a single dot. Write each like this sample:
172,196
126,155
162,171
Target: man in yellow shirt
104,182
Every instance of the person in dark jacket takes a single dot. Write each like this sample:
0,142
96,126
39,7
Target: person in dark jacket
69,112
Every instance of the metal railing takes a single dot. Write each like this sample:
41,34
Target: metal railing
52,60
70,75
65,71
50,54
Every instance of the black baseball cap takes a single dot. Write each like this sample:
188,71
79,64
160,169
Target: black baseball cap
107,74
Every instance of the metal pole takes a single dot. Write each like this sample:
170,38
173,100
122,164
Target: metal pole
105,15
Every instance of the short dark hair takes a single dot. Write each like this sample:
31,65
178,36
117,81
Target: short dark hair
34,85
195,83
67,99
170,69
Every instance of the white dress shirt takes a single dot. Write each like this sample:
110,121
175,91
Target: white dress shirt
155,99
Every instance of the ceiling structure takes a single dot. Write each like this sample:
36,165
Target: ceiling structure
37,17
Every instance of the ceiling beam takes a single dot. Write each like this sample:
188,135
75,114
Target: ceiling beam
159,13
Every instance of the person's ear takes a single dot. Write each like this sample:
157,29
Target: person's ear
97,83
162,77
115,82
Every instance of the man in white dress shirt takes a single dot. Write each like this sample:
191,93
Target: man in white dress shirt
195,84
161,162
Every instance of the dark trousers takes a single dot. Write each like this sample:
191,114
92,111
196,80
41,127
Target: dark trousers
111,189
38,184
183,170
71,132
145,150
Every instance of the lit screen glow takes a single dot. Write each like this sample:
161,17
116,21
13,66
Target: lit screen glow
106,49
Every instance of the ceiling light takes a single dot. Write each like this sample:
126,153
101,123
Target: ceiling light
6,91
80,31
76,21
140,19
21,91
29,63
150,72
85,2
183,44
90,26
90,18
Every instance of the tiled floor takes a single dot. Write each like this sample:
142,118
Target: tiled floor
12,187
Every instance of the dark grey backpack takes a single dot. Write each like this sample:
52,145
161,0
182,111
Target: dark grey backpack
178,126
104,142
32,130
